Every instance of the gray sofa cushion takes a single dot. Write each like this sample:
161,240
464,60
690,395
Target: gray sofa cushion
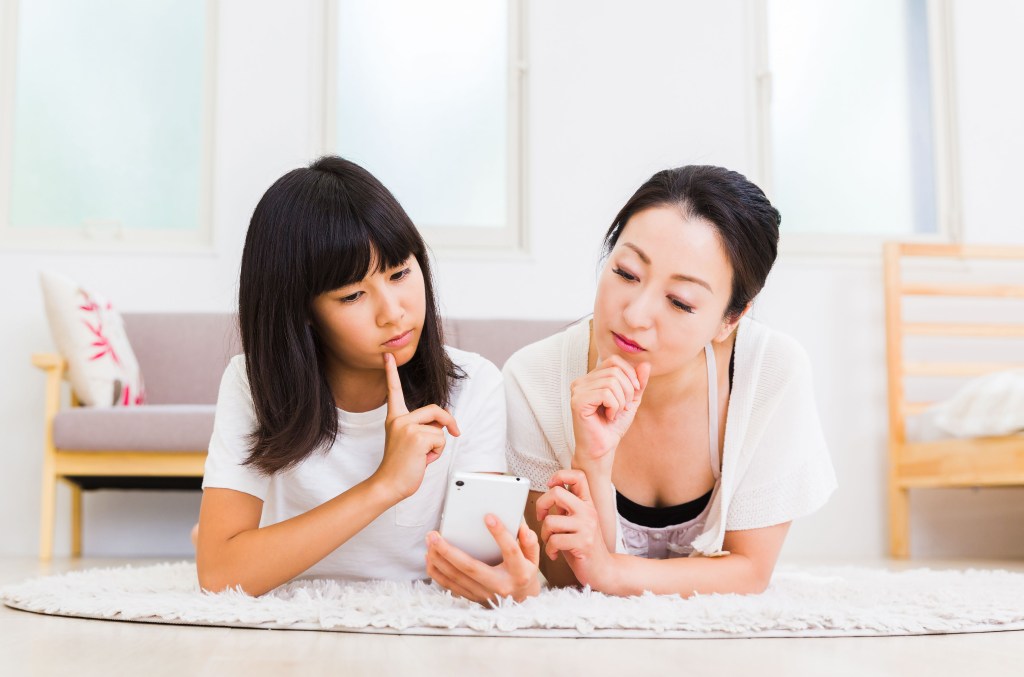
152,427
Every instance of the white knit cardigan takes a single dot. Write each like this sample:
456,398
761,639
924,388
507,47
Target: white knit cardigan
775,465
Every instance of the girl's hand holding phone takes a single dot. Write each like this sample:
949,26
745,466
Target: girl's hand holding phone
603,404
570,526
413,440
464,576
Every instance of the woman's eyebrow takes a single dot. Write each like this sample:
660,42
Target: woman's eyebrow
678,276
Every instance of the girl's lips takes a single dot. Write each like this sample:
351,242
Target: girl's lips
626,345
400,341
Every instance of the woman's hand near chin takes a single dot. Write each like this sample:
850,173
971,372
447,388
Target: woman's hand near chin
571,528
515,577
604,403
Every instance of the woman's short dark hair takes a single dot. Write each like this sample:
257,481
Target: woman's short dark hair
746,221
317,229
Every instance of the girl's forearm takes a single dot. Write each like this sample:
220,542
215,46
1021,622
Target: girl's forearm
259,560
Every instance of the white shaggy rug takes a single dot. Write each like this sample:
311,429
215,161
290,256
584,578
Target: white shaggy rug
818,602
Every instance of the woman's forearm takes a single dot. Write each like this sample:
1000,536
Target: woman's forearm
684,576
258,560
602,493
746,570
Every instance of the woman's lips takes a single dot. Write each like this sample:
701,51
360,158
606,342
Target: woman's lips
399,341
626,345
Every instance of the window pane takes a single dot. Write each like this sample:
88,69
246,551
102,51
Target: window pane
421,101
108,114
851,116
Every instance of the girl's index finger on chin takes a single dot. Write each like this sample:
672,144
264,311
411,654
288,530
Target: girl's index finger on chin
396,398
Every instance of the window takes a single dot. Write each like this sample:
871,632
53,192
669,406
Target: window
426,96
858,140
106,124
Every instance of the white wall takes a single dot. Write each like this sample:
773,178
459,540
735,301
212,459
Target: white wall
616,91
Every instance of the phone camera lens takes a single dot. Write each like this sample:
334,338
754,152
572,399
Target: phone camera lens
518,478
459,483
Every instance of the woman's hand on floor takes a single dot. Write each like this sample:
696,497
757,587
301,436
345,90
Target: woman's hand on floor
570,526
603,404
464,576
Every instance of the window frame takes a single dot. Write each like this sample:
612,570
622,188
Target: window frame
459,241
98,237
948,202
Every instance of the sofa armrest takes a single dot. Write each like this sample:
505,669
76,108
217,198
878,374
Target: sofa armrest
54,365
48,361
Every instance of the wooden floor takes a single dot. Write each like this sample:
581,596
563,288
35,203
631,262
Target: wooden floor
33,644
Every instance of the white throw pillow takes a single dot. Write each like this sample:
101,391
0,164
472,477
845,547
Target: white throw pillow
90,335
988,405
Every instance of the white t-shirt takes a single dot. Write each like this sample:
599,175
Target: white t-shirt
775,464
391,547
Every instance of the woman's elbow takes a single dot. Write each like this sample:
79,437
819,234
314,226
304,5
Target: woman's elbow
757,585
756,580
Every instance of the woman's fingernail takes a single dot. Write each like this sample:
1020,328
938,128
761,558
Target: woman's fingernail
491,522
432,538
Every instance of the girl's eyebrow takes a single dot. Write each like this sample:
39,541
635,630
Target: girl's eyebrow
678,276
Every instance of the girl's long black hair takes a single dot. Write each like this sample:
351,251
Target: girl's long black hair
317,229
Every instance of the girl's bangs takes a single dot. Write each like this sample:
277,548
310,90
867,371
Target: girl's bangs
353,249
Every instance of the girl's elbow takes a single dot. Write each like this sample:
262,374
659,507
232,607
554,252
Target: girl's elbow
211,580
214,578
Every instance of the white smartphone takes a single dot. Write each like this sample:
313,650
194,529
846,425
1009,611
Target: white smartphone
470,497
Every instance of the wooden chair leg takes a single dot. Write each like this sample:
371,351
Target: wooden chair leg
47,514
899,522
76,519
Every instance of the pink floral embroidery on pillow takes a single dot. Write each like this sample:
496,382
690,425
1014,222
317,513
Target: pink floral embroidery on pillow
123,394
101,342
128,400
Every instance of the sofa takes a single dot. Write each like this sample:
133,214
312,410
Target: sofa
162,444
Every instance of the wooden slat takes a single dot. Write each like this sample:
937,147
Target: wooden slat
957,368
915,408
131,463
960,251
893,343
48,361
974,462
1008,291
972,330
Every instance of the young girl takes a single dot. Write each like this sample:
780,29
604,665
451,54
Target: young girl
337,428
672,439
